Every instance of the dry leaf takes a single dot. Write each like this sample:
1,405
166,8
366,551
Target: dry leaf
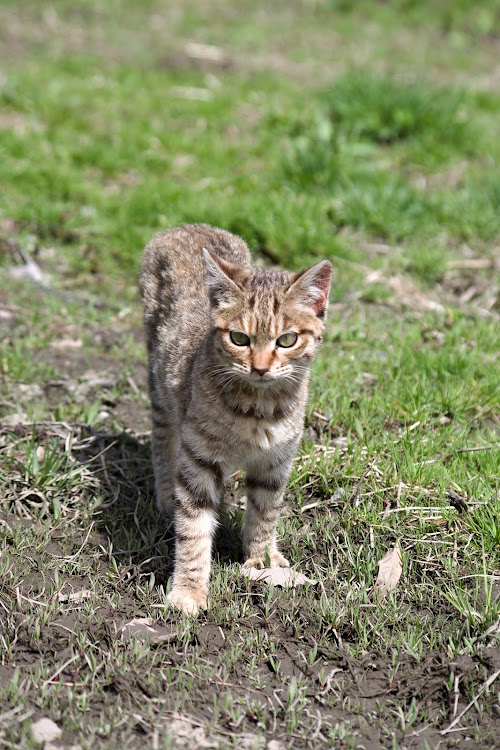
74,596
144,629
390,568
30,271
67,344
205,52
191,92
188,732
277,576
493,630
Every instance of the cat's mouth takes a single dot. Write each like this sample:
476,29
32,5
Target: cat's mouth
255,377
259,379
266,379
262,380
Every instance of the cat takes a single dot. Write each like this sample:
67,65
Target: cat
230,348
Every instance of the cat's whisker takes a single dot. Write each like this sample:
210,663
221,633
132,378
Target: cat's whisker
221,368
226,379
294,380
229,381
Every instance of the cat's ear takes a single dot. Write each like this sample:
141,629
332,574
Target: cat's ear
224,280
311,287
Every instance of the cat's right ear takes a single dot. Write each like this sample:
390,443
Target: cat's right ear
223,279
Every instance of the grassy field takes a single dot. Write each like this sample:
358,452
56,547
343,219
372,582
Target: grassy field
365,132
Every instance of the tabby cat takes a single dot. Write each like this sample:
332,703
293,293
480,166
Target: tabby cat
230,348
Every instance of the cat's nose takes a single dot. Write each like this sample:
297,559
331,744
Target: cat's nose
262,371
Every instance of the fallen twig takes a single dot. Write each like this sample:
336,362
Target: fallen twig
484,687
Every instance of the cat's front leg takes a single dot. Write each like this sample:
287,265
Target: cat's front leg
198,489
265,490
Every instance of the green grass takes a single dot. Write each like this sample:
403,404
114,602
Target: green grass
363,132
466,16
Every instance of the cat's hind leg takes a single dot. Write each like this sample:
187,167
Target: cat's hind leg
165,445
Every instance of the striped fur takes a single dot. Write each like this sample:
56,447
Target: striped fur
218,406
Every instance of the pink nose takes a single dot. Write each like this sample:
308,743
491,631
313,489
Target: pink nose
261,372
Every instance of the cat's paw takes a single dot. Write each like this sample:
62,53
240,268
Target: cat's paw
276,561
165,504
189,601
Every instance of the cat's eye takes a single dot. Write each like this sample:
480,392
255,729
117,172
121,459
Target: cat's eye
286,340
239,338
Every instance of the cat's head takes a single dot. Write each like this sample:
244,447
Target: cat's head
268,323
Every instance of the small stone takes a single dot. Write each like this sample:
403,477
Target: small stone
45,730
144,629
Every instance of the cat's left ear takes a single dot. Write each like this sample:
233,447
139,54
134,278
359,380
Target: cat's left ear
311,287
